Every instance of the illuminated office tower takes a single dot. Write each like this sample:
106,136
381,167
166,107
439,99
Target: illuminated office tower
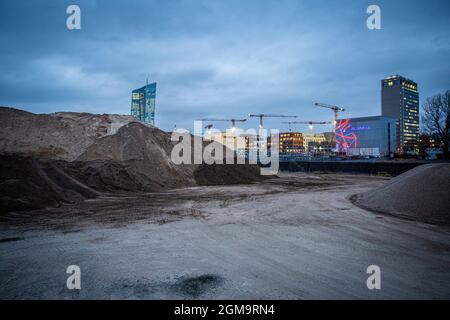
143,103
400,100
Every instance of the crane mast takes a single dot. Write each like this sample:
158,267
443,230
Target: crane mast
310,123
336,110
261,122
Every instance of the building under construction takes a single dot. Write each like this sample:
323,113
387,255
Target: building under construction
291,142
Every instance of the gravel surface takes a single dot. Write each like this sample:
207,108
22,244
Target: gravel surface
296,237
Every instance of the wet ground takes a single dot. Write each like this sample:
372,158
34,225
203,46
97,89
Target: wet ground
296,237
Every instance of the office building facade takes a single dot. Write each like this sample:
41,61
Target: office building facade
313,142
400,100
143,103
367,136
291,142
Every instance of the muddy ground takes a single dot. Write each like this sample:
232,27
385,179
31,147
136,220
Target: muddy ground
296,237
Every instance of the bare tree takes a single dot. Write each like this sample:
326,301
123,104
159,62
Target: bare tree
436,119
425,142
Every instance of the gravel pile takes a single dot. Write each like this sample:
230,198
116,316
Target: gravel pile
422,194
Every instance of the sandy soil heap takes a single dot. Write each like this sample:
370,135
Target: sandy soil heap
27,184
422,193
62,135
145,152
46,160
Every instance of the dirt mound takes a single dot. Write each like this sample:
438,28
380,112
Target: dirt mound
421,194
146,152
105,154
27,183
215,174
63,135
110,176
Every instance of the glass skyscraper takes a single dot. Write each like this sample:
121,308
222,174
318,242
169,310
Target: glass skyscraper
143,103
400,100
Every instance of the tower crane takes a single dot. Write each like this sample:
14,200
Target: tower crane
233,122
233,126
209,127
310,123
262,116
336,110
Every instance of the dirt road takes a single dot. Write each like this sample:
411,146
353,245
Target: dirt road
297,237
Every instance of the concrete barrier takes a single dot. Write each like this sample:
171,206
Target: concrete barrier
388,168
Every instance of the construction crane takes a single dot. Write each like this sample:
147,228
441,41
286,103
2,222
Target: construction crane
225,136
335,109
233,126
209,127
262,116
233,122
310,123
261,123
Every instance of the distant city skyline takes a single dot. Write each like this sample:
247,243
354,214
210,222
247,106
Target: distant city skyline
219,58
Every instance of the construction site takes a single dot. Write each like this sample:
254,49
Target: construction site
247,143
342,139
103,193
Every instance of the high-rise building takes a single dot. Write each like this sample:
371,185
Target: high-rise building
143,103
400,100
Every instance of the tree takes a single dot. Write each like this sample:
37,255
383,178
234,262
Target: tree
436,119
425,142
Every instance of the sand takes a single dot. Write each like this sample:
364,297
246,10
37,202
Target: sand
422,194
47,162
62,135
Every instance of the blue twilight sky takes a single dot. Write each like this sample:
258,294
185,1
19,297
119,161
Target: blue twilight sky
219,58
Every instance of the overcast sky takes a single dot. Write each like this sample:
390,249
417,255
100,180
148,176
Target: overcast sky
215,58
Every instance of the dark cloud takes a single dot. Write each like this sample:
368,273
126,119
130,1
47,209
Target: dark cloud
218,58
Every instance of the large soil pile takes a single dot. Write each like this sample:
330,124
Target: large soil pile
422,194
63,135
47,160
217,174
145,152
27,183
